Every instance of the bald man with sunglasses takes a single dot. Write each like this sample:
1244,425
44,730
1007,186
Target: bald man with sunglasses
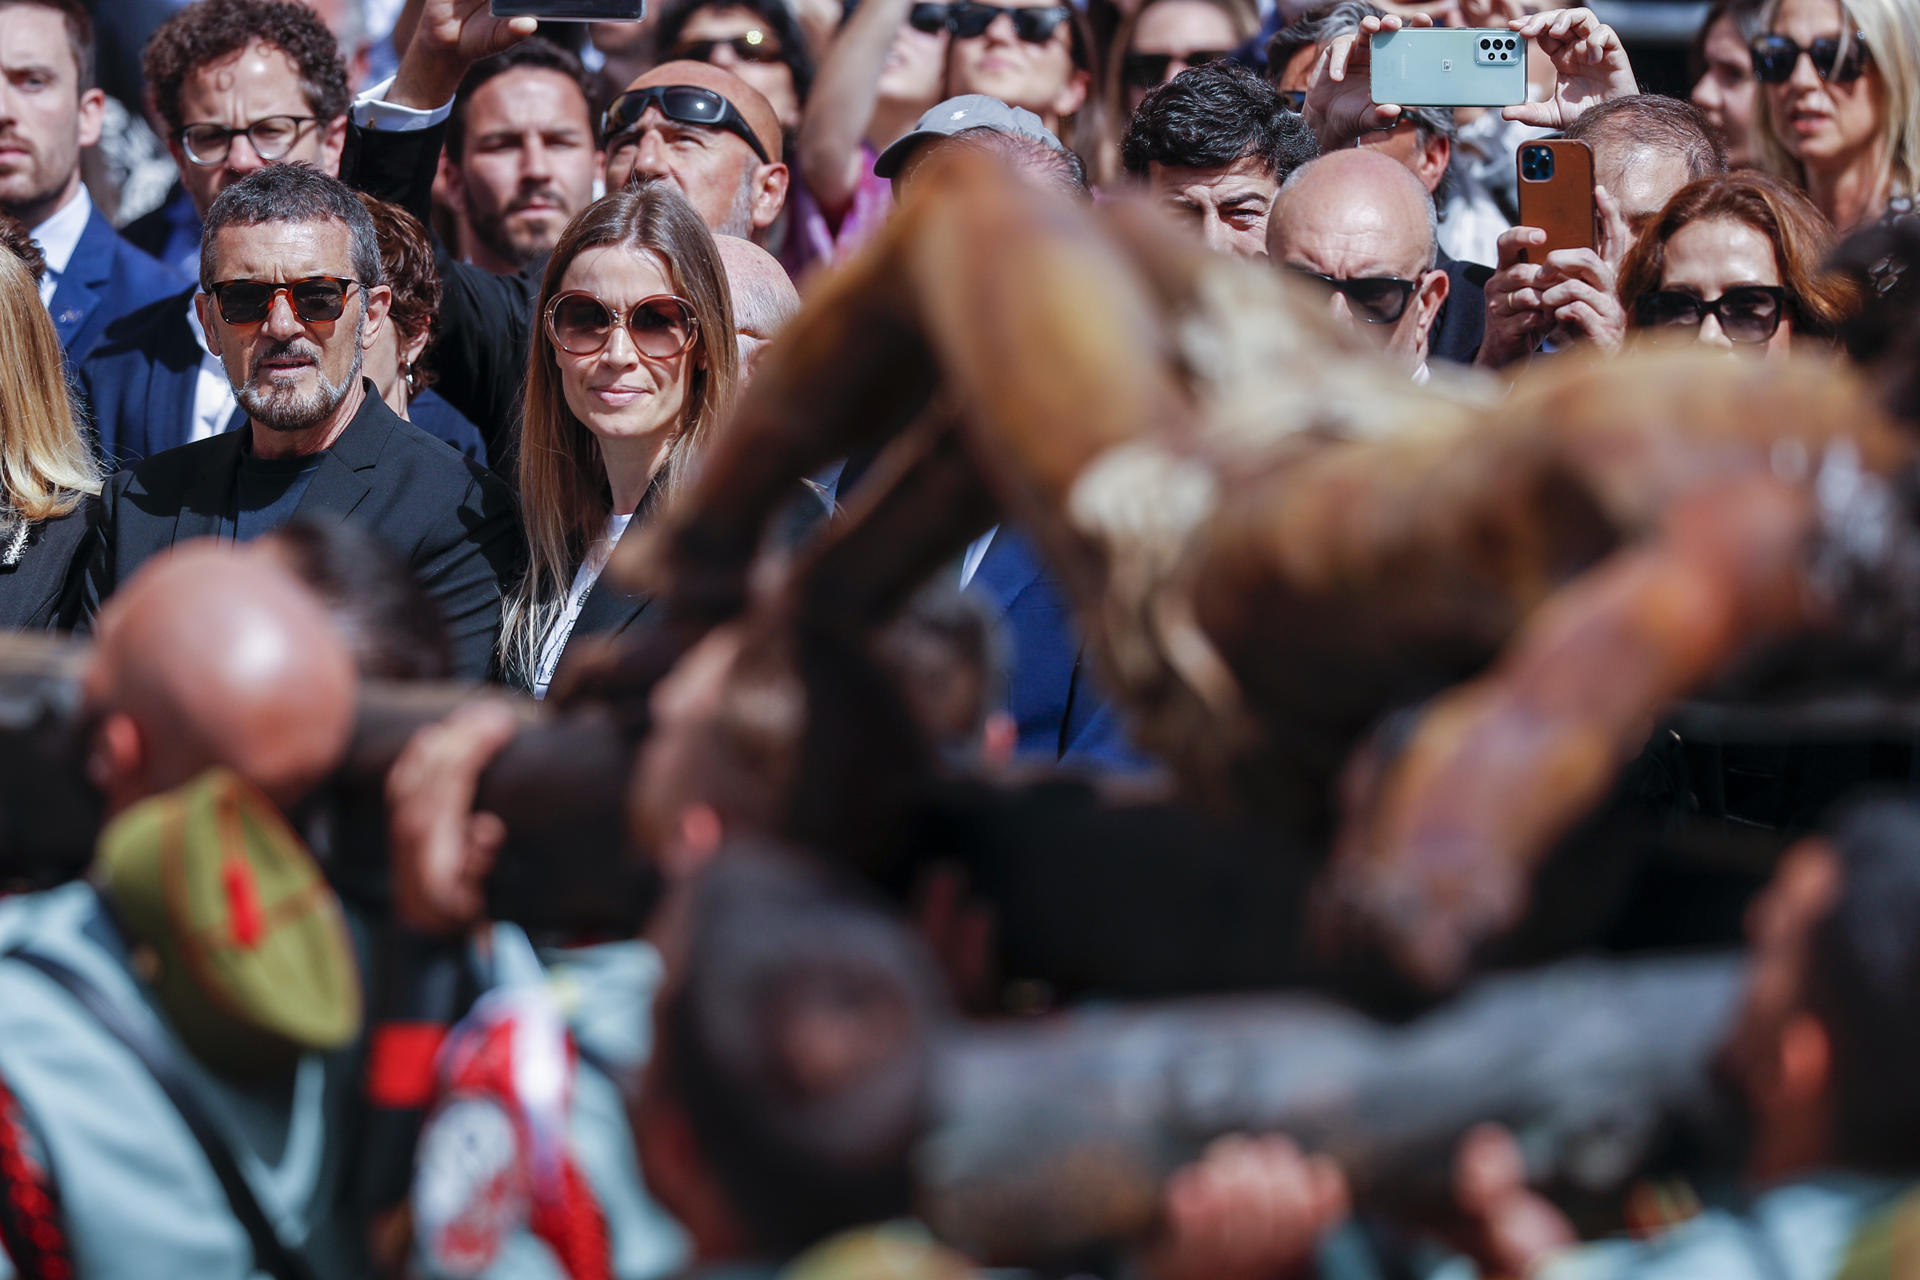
703,129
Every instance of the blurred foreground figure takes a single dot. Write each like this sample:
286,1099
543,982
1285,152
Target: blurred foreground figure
1275,542
203,969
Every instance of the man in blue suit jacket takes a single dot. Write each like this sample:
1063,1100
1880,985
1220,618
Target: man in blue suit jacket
49,114
1051,692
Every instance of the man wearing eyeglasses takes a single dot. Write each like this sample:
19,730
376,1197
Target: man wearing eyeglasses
50,113
1359,226
291,298
238,84
697,126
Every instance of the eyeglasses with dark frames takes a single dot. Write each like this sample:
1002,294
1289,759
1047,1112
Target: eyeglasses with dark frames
682,104
1374,299
1838,59
970,19
271,137
315,299
1747,313
661,326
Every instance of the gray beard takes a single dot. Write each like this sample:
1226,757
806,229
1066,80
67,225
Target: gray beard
290,411
740,216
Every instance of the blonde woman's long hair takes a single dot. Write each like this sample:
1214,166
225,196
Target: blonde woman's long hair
564,496
46,468
1892,29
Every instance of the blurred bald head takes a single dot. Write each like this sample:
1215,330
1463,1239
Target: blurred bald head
216,655
764,298
1362,215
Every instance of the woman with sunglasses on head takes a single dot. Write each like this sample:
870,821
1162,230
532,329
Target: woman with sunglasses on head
633,364
1034,54
47,474
885,69
1840,104
1736,262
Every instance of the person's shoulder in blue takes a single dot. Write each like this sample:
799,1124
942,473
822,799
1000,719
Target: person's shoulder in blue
139,382
105,279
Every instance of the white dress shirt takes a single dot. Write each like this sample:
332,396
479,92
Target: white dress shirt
213,401
371,110
58,237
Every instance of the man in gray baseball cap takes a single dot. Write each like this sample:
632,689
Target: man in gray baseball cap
975,120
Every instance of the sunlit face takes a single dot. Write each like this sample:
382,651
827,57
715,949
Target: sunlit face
1826,125
1707,258
528,163
289,374
45,120
713,169
915,71
234,92
1726,92
1228,206
1181,30
760,67
1040,77
617,393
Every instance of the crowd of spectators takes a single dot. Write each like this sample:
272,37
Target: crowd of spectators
351,341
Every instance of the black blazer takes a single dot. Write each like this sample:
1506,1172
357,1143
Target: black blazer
43,590
453,522
485,322
1462,323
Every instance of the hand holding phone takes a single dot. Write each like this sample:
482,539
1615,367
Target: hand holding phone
1589,62
1556,195
1449,67
1340,106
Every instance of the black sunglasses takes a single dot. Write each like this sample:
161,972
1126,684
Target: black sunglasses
683,104
1145,70
1835,58
1375,299
1747,313
930,18
315,300
969,20
752,46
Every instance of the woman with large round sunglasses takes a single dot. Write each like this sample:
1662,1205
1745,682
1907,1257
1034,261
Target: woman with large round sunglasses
1735,262
1840,109
633,363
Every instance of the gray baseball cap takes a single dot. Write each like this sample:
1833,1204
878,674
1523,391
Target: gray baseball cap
956,115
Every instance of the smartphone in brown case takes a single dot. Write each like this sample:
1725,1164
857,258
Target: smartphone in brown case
1556,195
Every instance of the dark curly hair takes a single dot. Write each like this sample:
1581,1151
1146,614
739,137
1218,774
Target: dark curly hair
406,259
209,30
1213,116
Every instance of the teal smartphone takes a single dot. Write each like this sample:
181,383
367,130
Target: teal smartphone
1449,67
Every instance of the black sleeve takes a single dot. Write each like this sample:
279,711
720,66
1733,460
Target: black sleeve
484,324
469,568
102,568
70,602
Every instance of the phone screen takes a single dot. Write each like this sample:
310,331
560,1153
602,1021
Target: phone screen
572,10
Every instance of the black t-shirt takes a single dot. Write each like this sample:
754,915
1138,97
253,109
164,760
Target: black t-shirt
265,493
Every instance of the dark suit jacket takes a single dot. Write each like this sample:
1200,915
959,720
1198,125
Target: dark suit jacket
451,521
105,279
139,383
485,324
1462,323
1051,691
43,590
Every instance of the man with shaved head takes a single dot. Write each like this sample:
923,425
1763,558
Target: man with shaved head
703,129
199,986
764,298
213,655
1359,225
